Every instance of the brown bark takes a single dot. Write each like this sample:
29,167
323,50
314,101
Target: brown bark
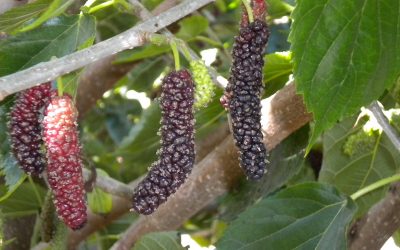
379,224
96,80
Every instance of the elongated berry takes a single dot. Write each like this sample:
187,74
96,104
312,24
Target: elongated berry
176,156
243,93
25,128
64,168
204,86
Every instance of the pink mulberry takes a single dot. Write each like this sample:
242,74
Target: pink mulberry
64,166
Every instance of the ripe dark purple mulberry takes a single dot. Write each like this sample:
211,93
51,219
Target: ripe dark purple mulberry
25,129
243,93
64,167
177,155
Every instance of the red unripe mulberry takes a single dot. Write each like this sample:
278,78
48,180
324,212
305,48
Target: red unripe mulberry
25,128
177,155
64,167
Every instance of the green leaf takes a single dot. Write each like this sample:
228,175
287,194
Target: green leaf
278,8
140,145
285,161
277,68
159,241
99,201
14,18
351,166
191,27
56,8
345,53
23,201
57,37
13,175
141,53
142,76
305,216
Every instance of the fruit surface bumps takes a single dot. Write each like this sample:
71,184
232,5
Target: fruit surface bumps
25,128
176,156
64,168
243,97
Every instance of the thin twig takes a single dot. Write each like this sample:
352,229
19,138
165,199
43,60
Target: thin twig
131,38
385,124
110,185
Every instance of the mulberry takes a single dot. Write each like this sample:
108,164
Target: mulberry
64,167
242,96
204,85
25,129
177,155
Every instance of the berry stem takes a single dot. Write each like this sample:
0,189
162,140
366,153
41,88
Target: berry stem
101,6
39,199
158,39
375,186
60,86
249,10
185,51
175,51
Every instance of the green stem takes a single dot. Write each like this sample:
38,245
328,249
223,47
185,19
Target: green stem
35,191
60,86
375,186
209,41
185,51
101,6
158,39
249,10
175,51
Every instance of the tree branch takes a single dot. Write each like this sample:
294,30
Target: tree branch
383,219
131,38
385,124
379,224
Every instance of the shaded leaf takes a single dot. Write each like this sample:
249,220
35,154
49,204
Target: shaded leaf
141,53
54,9
277,68
14,18
278,8
99,201
345,53
305,216
285,161
159,241
191,27
351,166
23,201
57,37
142,76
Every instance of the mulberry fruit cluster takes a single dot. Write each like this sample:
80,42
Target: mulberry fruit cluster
243,94
25,128
204,86
177,155
64,164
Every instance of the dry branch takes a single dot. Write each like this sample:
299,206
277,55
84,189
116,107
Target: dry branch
379,224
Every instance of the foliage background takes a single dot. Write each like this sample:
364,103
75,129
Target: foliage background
341,59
